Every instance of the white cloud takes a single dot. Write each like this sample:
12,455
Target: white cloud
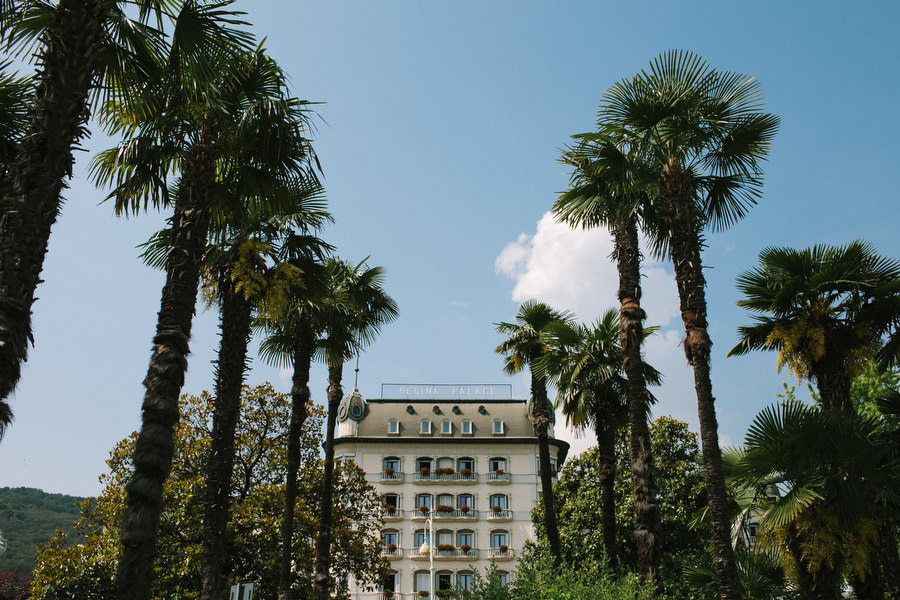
572,269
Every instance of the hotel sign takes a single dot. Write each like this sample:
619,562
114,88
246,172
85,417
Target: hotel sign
440,391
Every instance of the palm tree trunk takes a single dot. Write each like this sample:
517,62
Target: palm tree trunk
322,578
804,579
155,444
889,558
237,316
685,242
606,471
542,426
631,336
833,382
30,201
299,402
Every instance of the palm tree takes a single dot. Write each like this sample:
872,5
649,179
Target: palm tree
357,308
191,118
603,192
699,137
245,274
82,47
826,310
585,363
838,474
292,331
523,347
13,123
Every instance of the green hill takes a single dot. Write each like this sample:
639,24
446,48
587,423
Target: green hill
28,517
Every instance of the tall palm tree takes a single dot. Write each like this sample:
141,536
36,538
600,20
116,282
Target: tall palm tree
700,137
204,102
523,347
827,311
245,275
603,191
13,122
82,47
292,331
585,363
357,307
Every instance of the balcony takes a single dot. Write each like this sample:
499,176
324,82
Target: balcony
498,477
499,516
459,514
456,554
435,476
392,552
501,553
391,477
391,513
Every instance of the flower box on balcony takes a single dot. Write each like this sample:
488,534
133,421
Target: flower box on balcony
444,508
424,510
389,471
423,594
503,548
496,508
499,471
391,547
464,509
446,547
443,593
465,472
445,471
425,471
465,548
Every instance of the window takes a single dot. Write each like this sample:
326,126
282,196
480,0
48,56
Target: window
464,581
389,583
446,427
445,500
444,581
499,538
423,581
391,465
497,465
391,537
465,538
503,576
423,463
499,500
393,427
423,500
498,427
466,427
425,427
391,503
444,537
465,500
420,538
466,464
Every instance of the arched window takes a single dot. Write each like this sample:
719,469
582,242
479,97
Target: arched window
466,465
423,501
499,539
465,537
497,464
464,581
424,464
443,580
425,427
393,426
391,465
422,581
391,539
465,500
446,427
499,502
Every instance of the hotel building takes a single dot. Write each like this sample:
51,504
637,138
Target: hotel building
457,467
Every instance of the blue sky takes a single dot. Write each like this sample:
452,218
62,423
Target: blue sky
439,136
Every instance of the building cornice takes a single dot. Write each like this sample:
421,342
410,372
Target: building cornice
561,446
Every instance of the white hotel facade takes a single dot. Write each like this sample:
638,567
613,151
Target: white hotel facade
458,461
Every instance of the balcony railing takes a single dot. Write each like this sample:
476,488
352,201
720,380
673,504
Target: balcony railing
499,515
457,514
392,514
431,476
392,552
495,477
501,553
394,477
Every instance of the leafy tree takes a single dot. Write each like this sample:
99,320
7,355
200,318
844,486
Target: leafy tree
27,517
357,307
600,194
826,310
585,363
524,345
81,47
681,494
87,570
698,138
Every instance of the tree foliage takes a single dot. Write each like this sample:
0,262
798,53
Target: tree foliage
87,570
